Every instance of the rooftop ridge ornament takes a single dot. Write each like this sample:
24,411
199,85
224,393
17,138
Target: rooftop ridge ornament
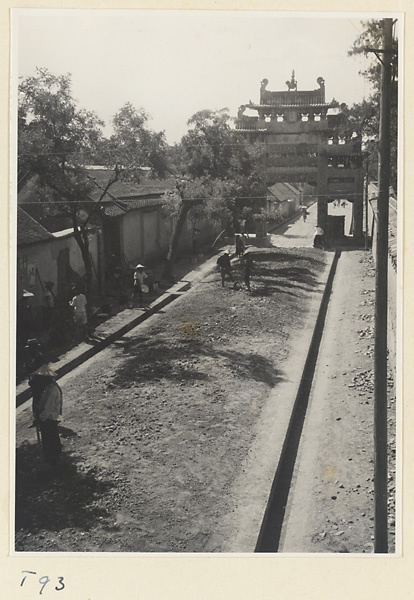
263,84
292,84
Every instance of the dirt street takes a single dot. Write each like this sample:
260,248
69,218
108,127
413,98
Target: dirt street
172,435
158,428
331,504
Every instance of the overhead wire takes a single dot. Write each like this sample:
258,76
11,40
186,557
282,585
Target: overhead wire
241,144
218,197
354,26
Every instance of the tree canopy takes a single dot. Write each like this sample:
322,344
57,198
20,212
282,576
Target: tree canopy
363,118
133,145
217,176
57,140
54,136
224,166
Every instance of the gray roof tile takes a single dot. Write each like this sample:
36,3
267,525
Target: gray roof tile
30,231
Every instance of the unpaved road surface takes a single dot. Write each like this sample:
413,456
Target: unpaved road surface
299,233
172,435
331,503
158,428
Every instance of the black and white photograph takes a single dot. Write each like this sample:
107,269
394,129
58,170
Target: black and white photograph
206,282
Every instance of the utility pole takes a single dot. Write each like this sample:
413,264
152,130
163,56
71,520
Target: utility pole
381,300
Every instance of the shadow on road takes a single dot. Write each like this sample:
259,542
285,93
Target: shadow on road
55,500
188,356
65,432
291,236
158,359
281,255
277,279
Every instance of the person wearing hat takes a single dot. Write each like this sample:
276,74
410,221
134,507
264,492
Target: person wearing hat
223,262
139,280
47,407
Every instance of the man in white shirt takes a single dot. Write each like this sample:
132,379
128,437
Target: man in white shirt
79,303
139,280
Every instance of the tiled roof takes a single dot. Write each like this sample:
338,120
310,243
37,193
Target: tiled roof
283,191
126,189
30,231
47,215
117,208
294,189
148,200
27,191
121,197
113,209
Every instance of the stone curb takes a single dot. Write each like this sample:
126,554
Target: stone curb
84,351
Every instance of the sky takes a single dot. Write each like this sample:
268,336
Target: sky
175,63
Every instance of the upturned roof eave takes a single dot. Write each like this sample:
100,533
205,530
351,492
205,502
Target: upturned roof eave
310,104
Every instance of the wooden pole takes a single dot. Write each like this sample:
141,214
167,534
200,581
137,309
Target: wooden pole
381,300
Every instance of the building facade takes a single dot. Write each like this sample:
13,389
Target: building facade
302,139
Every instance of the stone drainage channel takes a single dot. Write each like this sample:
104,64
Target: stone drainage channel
271,527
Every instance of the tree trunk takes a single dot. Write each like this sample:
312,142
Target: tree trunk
175,238
81,238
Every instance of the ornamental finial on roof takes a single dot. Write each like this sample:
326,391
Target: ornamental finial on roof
292,84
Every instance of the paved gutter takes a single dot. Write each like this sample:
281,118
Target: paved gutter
252,488
270,532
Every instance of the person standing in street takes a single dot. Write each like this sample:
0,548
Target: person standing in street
47,408
243,228
139,280
242,243
239,244
224,265
318,241
79,303
248,267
